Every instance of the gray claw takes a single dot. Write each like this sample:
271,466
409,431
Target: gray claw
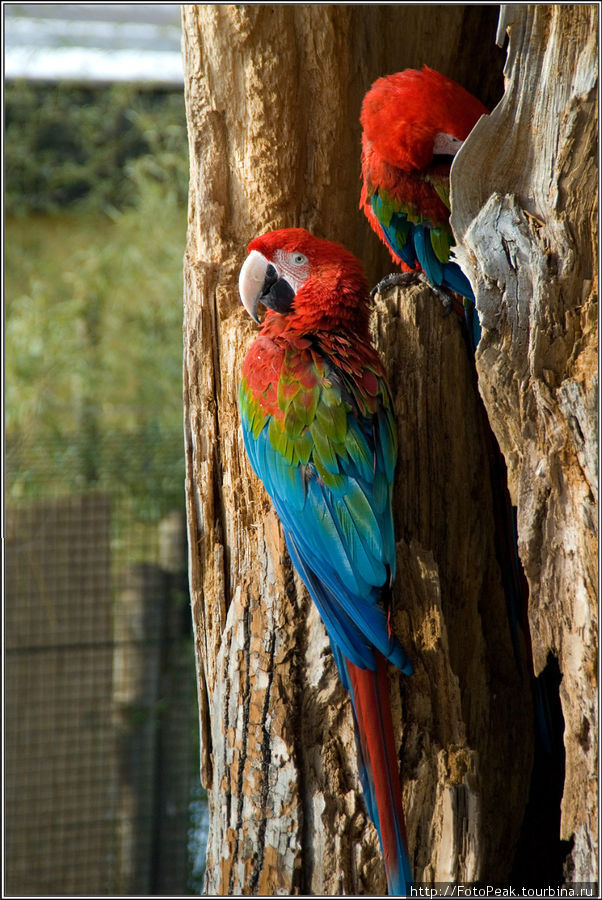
395,279
447,301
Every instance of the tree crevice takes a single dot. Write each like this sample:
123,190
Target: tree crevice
523,198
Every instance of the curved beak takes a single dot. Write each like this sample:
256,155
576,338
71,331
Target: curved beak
251,280
259,281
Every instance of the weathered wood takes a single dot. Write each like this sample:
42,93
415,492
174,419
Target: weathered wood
524,198
467,732
273,97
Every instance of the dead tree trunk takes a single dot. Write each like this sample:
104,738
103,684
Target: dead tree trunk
273,96
524,199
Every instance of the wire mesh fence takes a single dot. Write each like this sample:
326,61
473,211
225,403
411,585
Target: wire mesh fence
101,747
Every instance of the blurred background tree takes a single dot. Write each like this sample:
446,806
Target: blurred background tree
96,218
100,670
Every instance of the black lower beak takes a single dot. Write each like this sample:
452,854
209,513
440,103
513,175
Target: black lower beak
276,294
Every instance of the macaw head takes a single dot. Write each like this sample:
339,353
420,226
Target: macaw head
312,284
412,116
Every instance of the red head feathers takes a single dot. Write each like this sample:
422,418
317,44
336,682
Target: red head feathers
412,115
310,284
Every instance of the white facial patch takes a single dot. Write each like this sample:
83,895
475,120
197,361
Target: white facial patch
294,267
446,144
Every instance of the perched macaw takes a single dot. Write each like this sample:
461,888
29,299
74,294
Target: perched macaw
414,122
318,428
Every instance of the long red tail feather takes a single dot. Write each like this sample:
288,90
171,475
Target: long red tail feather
370,694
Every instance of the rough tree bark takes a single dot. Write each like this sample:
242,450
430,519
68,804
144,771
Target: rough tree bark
525,208
273,97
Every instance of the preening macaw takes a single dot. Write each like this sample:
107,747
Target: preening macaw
414,122
318,428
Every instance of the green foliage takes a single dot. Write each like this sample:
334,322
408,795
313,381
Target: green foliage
94,312
93,346
96,183
71,145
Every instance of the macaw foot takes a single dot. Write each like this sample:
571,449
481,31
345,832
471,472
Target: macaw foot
448,300
395,279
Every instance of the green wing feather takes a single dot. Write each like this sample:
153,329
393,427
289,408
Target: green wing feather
340,427
325,450
440,181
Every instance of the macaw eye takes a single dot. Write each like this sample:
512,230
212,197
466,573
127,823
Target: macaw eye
298,259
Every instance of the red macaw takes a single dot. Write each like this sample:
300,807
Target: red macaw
414,122
318,428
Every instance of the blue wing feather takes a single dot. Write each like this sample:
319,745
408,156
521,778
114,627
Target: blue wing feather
341,539
426,255
411,242
336,514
